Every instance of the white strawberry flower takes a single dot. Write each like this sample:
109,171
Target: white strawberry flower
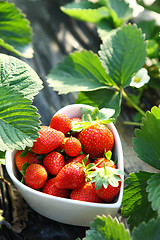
140,78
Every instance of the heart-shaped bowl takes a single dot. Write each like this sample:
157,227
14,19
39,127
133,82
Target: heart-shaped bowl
65,210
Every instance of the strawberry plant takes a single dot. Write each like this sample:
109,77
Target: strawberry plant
107,228
141,197
19,121
15,30
143,187
103,78
105,82
111,14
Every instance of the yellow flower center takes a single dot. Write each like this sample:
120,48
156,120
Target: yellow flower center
137,79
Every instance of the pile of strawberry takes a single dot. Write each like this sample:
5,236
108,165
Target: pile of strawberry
72,159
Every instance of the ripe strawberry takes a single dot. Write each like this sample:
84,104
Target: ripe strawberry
106,182
35,176
71,176
107,194
102,161
54,162
85,193
79,159
48,140
75,120
72,146
95,139
30,158
61,123
51,189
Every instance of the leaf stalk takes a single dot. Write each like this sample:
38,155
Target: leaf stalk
132,103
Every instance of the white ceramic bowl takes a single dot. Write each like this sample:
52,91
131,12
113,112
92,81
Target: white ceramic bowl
66,210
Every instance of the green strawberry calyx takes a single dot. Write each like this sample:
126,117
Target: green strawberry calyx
105,176
90,117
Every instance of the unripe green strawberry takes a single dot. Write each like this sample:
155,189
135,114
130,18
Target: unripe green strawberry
51,189
72,146
30,158
61,123
35,176
95,139
49,140
71,176
85,193
54,162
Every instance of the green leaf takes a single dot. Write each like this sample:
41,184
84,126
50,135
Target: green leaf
86,11
106,228
152,49
120,11
108,155
155,6
154,191
89,116
135,204
2,157
24,168
123,54
19,75
97,114
102,98
147,141
147,231
80,71
148,28
105,28
19,121
15,30
24,153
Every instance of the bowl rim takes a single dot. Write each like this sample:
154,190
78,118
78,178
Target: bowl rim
9,156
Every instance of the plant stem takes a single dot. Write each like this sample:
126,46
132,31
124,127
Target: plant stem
132,103
132,123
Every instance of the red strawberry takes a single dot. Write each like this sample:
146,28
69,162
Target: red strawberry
85,193
48,140
79,159
107,194
106,182
51,189
61,123
71,176
102,161
35,176
54,162
30,158
75,120
72,146
95,139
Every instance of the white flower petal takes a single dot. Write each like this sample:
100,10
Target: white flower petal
140,78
